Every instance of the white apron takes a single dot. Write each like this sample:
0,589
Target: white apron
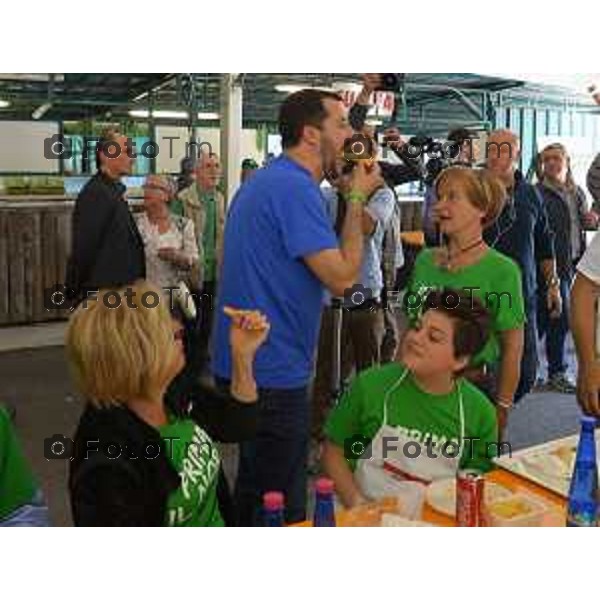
380,476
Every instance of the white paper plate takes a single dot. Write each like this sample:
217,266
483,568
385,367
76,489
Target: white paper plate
441,495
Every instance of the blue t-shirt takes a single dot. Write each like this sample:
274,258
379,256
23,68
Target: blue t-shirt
275,220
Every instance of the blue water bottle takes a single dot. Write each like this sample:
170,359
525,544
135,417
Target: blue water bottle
324,515
583,494
273,509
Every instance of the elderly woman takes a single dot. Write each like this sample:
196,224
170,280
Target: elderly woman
137,463
169,240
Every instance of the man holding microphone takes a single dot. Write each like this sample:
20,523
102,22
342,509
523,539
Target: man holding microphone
280,253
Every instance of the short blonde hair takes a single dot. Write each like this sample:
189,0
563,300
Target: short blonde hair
483,190
122,353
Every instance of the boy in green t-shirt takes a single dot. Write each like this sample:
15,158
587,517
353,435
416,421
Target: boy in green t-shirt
416,420
20,500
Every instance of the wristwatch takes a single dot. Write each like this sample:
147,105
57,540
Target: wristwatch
554,281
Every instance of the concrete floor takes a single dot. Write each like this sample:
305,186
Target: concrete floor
36,381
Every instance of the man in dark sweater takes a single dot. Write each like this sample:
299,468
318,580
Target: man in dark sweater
522,232
106,249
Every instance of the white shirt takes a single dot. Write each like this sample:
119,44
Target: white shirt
589,265
180,236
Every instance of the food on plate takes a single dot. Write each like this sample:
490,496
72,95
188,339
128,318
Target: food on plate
370,515
390,520
519,510
509,509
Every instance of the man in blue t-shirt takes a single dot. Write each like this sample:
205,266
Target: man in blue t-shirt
280,253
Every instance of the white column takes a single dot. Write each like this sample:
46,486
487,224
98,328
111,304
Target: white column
231,132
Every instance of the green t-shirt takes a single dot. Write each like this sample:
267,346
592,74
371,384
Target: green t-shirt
209,239
498,282
421,416
196,459
176,207
17,485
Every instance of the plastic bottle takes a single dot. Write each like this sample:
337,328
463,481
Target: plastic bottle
324,515
273,504
583,494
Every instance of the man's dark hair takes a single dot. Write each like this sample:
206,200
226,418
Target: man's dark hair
300,109
471,319
104,143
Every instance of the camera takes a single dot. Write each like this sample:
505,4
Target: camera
58,447
57,146
391,82
357,447
357,296
358,147
59,297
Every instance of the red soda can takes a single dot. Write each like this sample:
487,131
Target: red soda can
469,499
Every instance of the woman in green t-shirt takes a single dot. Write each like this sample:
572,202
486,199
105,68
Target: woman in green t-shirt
468,201
418,419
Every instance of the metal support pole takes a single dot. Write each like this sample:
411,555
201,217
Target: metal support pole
231,132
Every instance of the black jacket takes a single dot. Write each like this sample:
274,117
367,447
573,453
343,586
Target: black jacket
106,247
132,490
559,217
522,233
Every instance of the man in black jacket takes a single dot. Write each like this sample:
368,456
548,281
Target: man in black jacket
106,249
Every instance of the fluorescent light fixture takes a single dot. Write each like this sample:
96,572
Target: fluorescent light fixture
208,116
141,96
172,114
40,111
290,88
169,114
4,103
159,114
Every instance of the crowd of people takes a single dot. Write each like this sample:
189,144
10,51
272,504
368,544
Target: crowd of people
283,273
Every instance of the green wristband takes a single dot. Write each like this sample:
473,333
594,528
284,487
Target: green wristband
356,197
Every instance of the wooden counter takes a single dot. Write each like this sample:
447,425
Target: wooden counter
35,236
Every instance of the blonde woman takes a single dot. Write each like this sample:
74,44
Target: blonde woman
569,218
468,201
136,463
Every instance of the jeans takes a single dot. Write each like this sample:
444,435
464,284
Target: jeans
555,330
361,339
276,460
529,361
